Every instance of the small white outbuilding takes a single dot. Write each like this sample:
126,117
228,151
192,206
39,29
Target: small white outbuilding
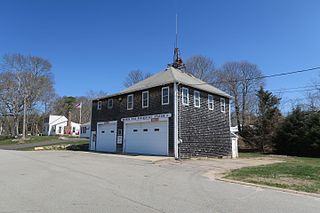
85,130
55,124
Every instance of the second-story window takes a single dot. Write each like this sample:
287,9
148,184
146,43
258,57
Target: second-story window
210,102
223,104
165,96
129,102
145,99
185,96
99,105
196,97
110,103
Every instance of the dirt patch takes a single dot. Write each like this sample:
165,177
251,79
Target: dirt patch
216,168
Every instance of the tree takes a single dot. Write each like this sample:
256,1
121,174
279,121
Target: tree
11,103
299,135
268,119
241,80
134,77
32,78
201,67
64,105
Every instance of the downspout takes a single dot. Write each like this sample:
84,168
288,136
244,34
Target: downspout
175,100
229,112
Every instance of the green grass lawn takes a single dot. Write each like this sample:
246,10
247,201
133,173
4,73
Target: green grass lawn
32,139
297,173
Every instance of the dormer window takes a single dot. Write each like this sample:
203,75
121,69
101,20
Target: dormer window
145,99
185,96
99,105
130,102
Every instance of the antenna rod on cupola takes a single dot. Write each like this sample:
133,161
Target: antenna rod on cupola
177,61
176,30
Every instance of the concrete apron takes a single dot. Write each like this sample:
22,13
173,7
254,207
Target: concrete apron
150,158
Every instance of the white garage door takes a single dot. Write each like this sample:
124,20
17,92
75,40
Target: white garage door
147,138
106,137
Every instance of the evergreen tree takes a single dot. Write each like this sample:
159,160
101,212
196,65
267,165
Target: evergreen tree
268,119
299,134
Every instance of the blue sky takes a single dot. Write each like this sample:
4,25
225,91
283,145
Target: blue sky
94,44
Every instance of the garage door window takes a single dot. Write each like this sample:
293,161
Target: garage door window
145,99
129,102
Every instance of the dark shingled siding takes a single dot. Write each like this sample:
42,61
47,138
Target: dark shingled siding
119,111
204,132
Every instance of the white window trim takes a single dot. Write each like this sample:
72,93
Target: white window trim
128,102
209,102
99,104
145,92
195,99
186,104
223,103
110,100
163,88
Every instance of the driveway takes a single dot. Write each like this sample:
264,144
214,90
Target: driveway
89,182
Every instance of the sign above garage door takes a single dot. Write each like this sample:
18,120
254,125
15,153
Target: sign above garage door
147,117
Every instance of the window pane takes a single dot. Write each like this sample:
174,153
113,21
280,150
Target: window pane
165,95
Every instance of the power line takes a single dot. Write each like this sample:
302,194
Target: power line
293,91
310,87
265,76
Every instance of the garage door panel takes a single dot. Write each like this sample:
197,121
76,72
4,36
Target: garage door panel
147,138
106,137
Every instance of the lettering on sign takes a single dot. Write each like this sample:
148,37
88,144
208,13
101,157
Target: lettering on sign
147,117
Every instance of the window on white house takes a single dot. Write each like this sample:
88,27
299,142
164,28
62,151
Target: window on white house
223,104
60,129
196,98
185,96
73,129
99,105
129,102
110,103
145,99
165,96
210,102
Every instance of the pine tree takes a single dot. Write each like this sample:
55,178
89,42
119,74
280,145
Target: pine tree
268,119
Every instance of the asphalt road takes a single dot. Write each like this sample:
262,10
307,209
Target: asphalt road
90,182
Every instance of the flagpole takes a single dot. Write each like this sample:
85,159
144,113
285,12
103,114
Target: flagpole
80,112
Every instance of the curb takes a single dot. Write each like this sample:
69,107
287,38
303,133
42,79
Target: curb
269,187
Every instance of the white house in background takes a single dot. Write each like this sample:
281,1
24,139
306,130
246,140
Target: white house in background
85,130
55,124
